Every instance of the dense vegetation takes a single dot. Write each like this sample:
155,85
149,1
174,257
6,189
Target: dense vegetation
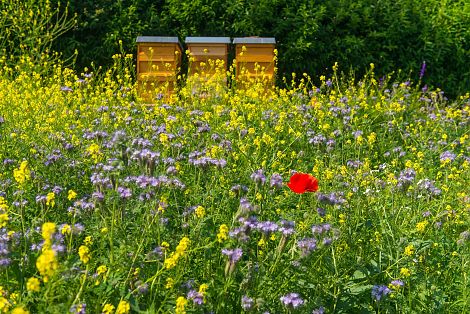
110,206
312,35
332,194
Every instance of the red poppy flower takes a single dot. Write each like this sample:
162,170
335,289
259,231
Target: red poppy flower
302,182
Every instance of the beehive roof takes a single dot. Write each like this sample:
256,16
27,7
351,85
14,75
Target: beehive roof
207,40
157,39
254,40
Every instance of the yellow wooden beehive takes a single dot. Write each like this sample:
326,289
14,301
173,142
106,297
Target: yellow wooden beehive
255,58
207,56
158,64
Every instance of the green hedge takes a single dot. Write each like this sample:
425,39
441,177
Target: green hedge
311,35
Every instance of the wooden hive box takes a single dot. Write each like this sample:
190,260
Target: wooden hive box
158,64
204,53
255,58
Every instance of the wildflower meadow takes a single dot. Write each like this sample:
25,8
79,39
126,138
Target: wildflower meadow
333,195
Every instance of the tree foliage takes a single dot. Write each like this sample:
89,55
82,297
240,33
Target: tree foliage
312,34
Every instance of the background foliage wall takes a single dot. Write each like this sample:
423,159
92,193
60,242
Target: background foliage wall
311,34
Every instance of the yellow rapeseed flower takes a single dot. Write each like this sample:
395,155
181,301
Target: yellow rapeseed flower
405,272
50,199
421,226
3,220
33,284
108,309
180,305
200,211
409,250
84,253
48,230
4,304
71,195
66,229
19,310
47,264
123,307
183,245
22,174
223,232
101,269
88,240
170,282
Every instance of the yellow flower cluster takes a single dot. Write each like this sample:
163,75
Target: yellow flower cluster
123,307
421,226
47,261
108,309
84,253
180,250
33,284
409,250
71,195
94,151
50,199
200,211
48,230
223,232
4,303
47,264
3,212
181,302
22,174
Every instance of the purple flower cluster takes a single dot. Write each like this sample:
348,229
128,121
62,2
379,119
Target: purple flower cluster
124,192
258,177
146,158
196,296
287,227
320,310
146,181
238,189
247,303
78,309
53,157
406,178
447,156
428,186
380,291
205,162
292,300
4,252
307,246
266,227
276,181
245,206
233,255
333,198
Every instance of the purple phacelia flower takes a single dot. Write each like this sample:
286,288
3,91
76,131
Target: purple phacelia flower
287,227
258,177
247,303
307,246
196,296
276,181
447,156
233,255
380,291
124,192
292,300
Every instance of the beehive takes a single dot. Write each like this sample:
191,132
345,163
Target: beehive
207,55
255,58
158,63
